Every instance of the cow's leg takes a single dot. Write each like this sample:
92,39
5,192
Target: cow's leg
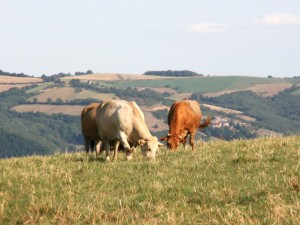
192,140
123,138
92,145
116,147
184,142
98,146
86,144
107,150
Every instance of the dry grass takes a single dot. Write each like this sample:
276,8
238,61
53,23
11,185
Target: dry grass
5,87
153,123
68,94
74,110
266,90
238,182
19,80
222,109
181,96
266,132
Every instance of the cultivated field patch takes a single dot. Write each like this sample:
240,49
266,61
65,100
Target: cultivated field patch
222,109
68,94
74,110
180,96
40,87
19,80
113,77
5,87
152,122
266,90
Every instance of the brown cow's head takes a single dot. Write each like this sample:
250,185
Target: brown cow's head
173,141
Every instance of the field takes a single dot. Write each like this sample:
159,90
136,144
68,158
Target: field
68,94
74,110
238,182
19,80
5,87
7,82
215,85
112,76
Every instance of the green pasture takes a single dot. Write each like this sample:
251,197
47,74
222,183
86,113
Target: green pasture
200,84
238,182
40,87
295,81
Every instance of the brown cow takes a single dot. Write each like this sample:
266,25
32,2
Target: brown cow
89,128
184,119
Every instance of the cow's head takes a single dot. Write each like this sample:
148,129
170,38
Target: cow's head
173,141
149,146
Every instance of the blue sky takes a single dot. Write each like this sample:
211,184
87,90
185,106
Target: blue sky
216,37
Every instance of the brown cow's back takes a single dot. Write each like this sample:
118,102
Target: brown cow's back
184,119
88,125
186,113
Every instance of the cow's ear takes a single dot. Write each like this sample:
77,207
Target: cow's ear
164,138
160,144
141,142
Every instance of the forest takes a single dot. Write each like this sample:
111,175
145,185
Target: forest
31,133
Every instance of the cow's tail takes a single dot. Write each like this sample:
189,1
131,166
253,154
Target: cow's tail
206,122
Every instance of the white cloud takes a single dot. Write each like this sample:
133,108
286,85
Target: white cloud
210,28
278,19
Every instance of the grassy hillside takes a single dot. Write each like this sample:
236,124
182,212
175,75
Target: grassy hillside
279,113
205,84
20,133
238,182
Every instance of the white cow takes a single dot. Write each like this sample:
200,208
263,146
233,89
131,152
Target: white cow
123,122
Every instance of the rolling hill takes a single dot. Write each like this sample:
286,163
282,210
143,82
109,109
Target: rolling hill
64,98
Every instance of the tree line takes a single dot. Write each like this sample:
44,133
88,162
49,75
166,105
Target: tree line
173,73
14,74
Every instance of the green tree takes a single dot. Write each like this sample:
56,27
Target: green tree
35,100
49,100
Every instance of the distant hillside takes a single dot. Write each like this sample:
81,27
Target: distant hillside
279,113
214,85
107,77
52,106
33,133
